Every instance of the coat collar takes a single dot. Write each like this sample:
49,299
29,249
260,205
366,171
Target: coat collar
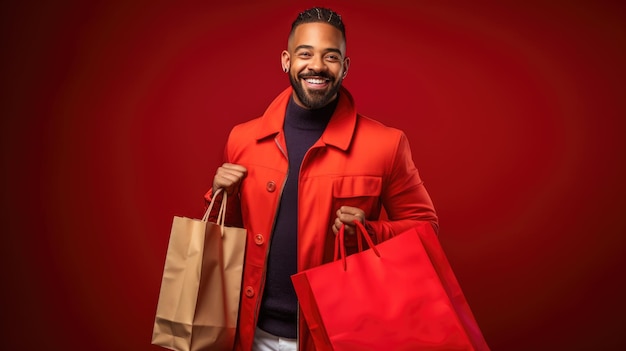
338,133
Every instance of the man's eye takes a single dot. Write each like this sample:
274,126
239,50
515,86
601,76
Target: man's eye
304,54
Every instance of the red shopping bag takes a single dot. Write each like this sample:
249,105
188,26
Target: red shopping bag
399,295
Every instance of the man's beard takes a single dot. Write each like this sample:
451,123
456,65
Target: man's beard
314,99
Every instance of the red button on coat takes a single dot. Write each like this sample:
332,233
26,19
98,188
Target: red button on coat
259,239
249,291
271,186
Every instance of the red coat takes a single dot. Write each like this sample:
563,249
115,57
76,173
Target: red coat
357,162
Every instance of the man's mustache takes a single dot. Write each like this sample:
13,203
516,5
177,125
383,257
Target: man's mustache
316,74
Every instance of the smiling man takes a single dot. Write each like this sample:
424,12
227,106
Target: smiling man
316,62
308,166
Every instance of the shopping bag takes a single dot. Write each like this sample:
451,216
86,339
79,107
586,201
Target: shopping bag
398,295
199,297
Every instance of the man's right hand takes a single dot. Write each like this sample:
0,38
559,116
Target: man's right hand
229,177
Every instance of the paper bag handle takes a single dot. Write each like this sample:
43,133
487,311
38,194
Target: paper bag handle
340,245
221,215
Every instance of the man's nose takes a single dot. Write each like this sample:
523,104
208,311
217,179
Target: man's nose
317,64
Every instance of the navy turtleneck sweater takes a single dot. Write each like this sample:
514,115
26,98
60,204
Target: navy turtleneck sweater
279,306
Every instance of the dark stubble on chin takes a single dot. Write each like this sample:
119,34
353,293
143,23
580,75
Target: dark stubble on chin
314,99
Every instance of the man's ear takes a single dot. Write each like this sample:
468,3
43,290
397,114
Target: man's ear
346,66
285,61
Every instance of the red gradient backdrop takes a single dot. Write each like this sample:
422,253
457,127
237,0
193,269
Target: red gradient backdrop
114,115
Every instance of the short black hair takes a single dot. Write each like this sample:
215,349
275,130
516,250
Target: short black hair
319,15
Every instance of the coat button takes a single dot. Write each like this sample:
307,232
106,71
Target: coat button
249,291
259,239
271,186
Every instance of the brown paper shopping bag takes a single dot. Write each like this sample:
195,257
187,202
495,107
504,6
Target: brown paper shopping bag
199,297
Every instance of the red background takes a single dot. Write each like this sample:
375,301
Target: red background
114,115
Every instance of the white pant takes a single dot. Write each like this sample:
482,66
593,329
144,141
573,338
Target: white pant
264,341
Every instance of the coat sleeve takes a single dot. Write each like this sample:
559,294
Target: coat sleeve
404,197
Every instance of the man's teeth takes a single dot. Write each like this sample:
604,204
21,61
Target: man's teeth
315,81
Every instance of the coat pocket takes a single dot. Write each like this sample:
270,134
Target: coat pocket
358,191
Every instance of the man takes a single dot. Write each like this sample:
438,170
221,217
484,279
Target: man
298,173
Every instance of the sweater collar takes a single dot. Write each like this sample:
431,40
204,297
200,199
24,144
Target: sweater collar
301,118
340,128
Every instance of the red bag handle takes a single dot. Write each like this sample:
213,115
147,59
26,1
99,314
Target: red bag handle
340,246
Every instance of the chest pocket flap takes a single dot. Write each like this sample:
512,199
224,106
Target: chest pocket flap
356,186
358,191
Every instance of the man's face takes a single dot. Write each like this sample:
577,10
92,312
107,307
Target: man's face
317,64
